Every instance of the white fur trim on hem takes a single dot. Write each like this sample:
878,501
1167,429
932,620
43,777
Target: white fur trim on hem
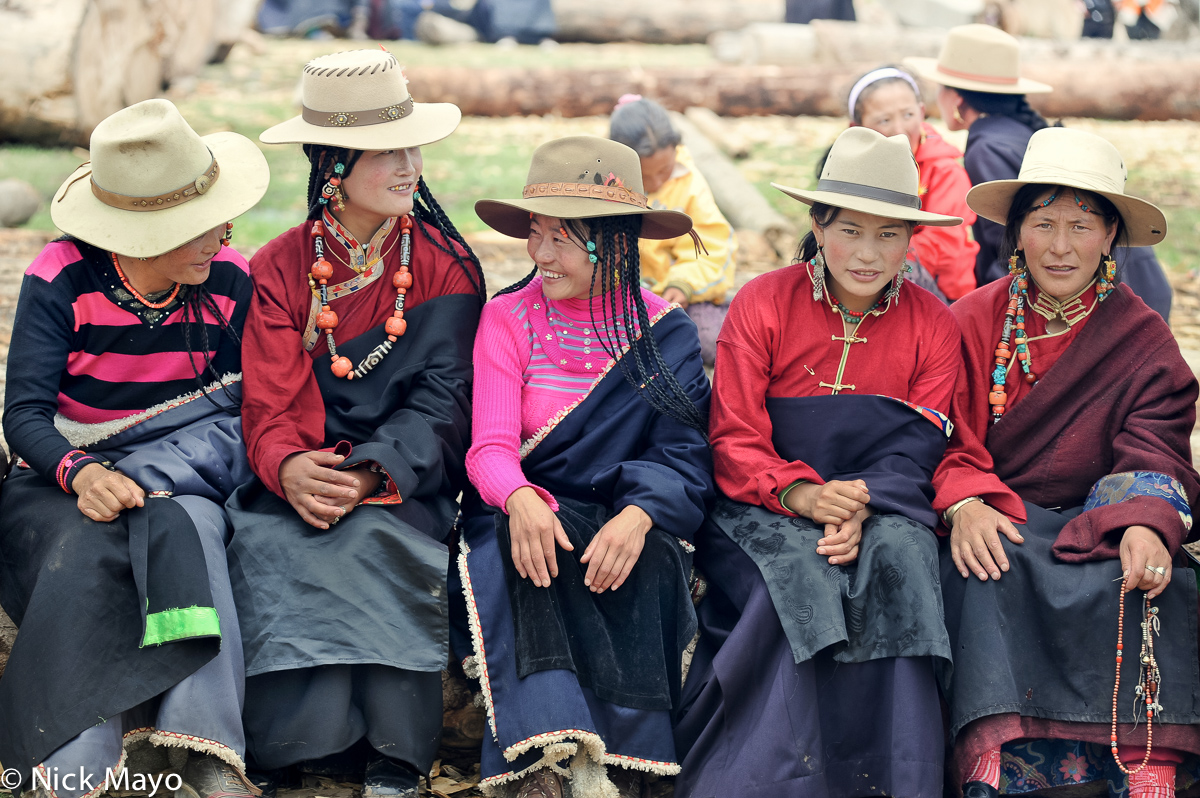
78,433
168,739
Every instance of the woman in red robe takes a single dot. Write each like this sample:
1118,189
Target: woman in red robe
1069,472
358,380
822,631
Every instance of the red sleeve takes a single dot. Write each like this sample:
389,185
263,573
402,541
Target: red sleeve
947,252
282,409
967,468
940,369
745,463
1155,436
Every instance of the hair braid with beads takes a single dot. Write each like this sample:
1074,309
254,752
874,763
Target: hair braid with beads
425,208
618,270
196,300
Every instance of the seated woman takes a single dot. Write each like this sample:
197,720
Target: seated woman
122,406
888,101
358,379
1072,422
590,403
822,631
981,91
695,278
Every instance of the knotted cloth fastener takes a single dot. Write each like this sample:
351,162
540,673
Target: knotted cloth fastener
586,190
870,192
371,116
157,202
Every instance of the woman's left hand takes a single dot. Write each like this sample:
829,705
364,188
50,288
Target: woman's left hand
615,550
368,483
1142,550
840,543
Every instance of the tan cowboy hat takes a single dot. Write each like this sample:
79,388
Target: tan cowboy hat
582,177
872,173
153,184
978,58
1063,156
359,100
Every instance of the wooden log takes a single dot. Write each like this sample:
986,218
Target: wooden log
71,63
741,202
1126,89
659,22
731,143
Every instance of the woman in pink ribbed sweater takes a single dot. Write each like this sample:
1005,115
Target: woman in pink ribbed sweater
592,470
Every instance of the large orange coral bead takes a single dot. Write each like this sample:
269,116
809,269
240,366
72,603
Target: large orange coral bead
327,320
395,326
402,280
341,367
322,269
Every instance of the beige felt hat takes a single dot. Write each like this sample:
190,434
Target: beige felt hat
582,177
872,173
153,184
978,58
359,100
1062,156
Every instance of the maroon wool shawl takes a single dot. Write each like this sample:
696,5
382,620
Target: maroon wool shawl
1120,398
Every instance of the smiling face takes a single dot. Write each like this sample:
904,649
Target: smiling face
188,264
893,109
562,261
657,169
863,253
1064,244
380,186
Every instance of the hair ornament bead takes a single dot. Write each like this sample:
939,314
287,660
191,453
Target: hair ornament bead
591,246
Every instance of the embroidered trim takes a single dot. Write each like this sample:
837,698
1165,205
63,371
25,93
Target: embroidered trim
485,684
646,765
529,445
688,547
169,739
938,419
1126,485
78,433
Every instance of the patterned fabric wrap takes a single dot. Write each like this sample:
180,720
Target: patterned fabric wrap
1030,765
1116,488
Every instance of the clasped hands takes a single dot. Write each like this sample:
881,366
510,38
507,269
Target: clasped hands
320,494
535,531
841,507
976,548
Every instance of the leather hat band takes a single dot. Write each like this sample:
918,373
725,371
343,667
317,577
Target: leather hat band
587,191
372,116
157,202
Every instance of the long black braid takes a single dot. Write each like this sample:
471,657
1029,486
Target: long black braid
425,208
619,271
197,299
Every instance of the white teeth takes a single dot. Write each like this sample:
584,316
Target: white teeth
546,275
402,187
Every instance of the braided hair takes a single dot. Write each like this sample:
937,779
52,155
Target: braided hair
425,208
196,300
618,269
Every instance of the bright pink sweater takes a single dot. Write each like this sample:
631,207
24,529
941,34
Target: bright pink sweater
534,360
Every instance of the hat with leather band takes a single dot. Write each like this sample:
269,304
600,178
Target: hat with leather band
872,173
153,184
978,58
582,177
360,100
1063,156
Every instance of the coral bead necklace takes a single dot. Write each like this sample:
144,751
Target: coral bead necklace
1146,693
136,294
327,321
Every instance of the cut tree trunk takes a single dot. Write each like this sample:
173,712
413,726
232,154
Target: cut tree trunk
660,22
1124,89
71,63
741,202
715,130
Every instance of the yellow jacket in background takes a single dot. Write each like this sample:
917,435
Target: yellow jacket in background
674,262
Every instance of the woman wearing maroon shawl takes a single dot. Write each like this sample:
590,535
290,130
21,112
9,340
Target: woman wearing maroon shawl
1068,484
358,379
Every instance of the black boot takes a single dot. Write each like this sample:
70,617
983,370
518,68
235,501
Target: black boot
979,789
389,778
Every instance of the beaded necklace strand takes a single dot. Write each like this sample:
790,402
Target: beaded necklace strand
1149,679
327,320
125,282
855,316
1014,330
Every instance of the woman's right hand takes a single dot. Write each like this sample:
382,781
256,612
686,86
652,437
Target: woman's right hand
306,475
533,528
103,494
832,503
975,540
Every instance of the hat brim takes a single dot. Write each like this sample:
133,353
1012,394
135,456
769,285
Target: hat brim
511,217
866,205
143,234
425,124
1145,224
928,69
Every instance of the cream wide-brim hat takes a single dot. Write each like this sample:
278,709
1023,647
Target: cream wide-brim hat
359,100
1062,156
149,187
582,177
978,58
871,173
